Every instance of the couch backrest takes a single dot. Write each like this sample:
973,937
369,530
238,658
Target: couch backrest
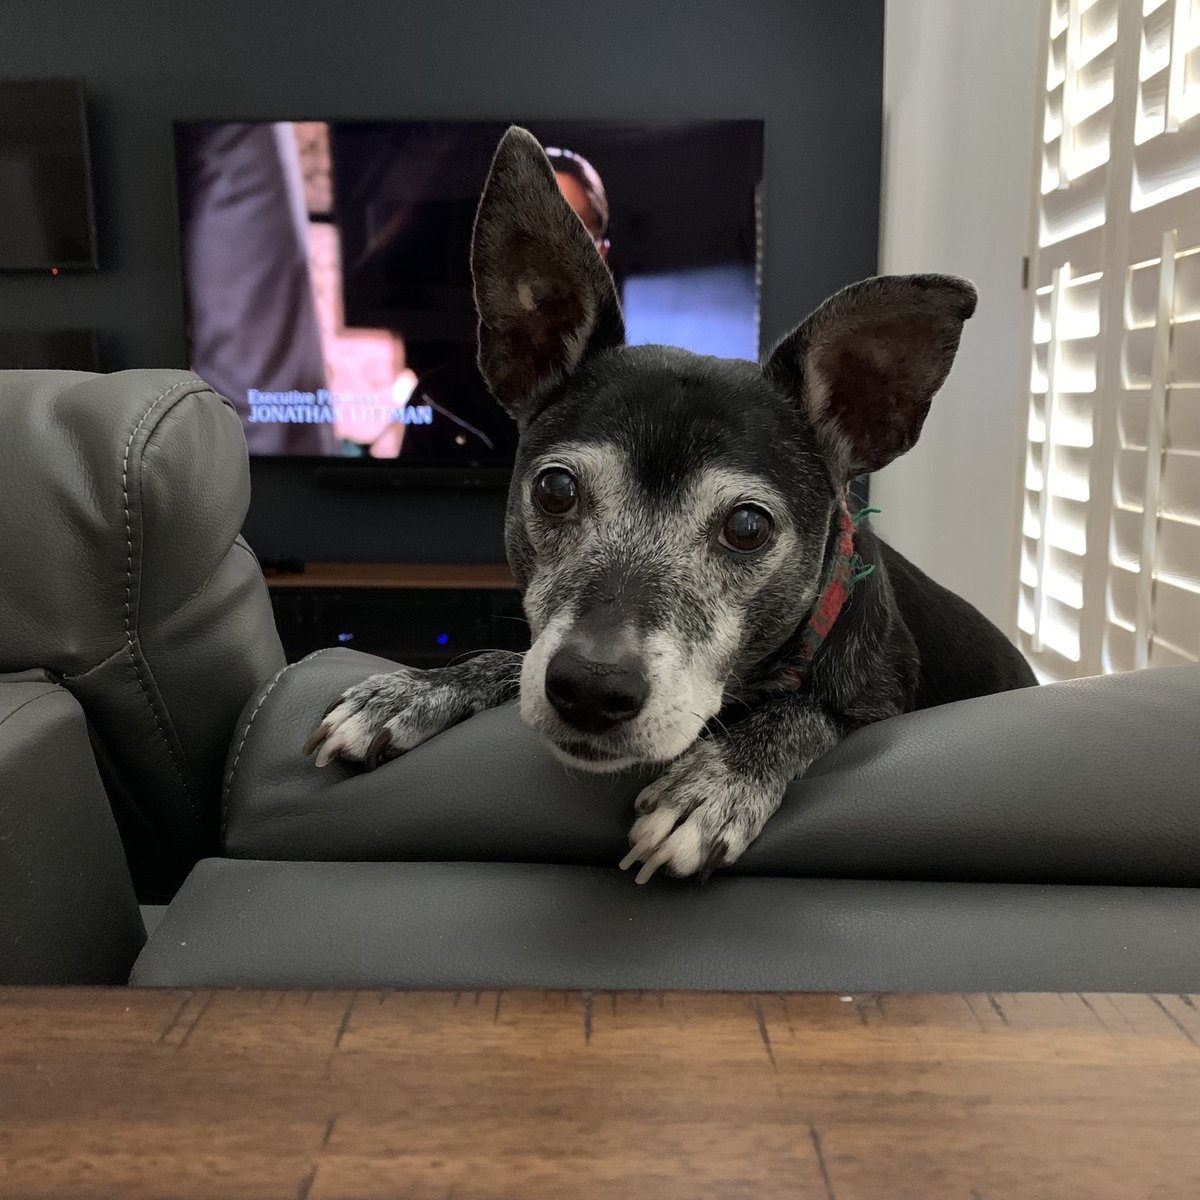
123,574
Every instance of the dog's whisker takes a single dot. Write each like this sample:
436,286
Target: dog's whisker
716,719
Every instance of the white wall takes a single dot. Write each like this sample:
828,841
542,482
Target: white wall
959,86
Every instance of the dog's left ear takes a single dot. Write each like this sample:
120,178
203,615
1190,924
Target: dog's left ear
544,296
867,363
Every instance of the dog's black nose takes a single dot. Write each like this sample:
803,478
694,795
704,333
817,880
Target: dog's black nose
595,693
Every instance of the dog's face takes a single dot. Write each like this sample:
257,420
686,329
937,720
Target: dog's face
670,513
667,526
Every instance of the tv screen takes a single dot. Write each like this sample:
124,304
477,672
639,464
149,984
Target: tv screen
45,177
327,274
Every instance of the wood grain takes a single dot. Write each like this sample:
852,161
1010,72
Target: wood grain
111,1093
432,577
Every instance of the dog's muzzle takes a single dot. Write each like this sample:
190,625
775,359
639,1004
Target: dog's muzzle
607,696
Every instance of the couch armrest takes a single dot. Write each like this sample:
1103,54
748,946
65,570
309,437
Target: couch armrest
67,907
1087,782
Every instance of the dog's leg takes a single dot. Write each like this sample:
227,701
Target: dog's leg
713,801
386,715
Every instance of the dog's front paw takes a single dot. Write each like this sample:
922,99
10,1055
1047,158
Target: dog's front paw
697,816
386,715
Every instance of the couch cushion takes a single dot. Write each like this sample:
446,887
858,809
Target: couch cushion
1086,782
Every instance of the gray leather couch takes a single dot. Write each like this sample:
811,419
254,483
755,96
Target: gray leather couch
1041,840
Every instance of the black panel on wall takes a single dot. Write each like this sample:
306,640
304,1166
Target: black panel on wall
812,69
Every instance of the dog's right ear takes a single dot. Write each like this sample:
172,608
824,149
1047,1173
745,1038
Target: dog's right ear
544,296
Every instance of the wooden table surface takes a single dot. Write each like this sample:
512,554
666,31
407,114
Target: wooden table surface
567,1095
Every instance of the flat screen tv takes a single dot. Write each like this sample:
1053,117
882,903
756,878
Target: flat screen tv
327,282
45,177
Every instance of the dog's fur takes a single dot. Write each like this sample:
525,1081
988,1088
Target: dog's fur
662,445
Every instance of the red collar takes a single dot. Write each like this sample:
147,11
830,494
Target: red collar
845,570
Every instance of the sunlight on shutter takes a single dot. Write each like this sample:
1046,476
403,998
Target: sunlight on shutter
1109,575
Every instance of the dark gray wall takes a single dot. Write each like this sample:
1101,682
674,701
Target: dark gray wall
812,69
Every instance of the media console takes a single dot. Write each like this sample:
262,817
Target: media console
422,615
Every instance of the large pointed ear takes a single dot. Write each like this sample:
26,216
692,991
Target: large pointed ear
544,296
867,363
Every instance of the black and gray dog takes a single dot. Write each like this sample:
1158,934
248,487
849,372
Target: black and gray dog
698,593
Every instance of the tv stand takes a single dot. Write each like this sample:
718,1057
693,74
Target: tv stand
437,577
421,614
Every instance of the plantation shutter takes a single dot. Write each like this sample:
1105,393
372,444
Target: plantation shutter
1110,531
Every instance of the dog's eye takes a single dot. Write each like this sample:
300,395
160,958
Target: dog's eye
747,528
555,492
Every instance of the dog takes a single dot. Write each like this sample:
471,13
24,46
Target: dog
699,593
